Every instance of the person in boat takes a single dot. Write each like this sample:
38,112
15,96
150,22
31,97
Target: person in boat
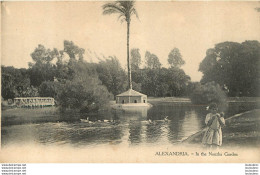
214,122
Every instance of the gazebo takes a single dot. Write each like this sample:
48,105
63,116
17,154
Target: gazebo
131,96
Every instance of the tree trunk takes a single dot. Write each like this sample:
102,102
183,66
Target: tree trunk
128,59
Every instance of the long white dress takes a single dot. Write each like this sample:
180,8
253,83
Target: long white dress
213,134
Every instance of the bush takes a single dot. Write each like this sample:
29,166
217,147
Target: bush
28,92
49,89
208,93
83,96
84,93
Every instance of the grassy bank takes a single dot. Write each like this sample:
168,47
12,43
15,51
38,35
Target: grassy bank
187,100
240,130
244,99
168,99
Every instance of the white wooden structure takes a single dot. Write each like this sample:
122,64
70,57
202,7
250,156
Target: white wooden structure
131,100
131,96
34,101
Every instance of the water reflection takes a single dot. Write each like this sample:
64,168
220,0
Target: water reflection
191,123
136,127
135,132
153,132
173,134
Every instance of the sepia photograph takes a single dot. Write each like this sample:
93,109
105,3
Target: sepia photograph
130,82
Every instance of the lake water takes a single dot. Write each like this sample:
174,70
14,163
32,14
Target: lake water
128,128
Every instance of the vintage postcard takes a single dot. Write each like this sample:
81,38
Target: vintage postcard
130,81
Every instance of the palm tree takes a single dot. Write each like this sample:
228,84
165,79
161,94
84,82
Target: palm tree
125,9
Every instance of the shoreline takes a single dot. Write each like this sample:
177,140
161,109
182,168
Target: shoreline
14,115
187,99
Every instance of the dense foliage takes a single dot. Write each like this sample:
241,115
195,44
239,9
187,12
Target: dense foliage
208,93
112,75
73,82
84,91
157,81
64,75
16,83
162,82
234,66
228,69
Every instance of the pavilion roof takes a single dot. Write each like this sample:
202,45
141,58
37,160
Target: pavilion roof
130,92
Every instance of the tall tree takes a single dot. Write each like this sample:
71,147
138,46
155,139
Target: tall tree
73,50
125,9
175,58
152,61
234,66
135,59
65,68
112,75
42,69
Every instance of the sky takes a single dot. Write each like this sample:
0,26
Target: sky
192,27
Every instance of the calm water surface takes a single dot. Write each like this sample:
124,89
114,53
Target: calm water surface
129,128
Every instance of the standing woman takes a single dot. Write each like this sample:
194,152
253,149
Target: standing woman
214,122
